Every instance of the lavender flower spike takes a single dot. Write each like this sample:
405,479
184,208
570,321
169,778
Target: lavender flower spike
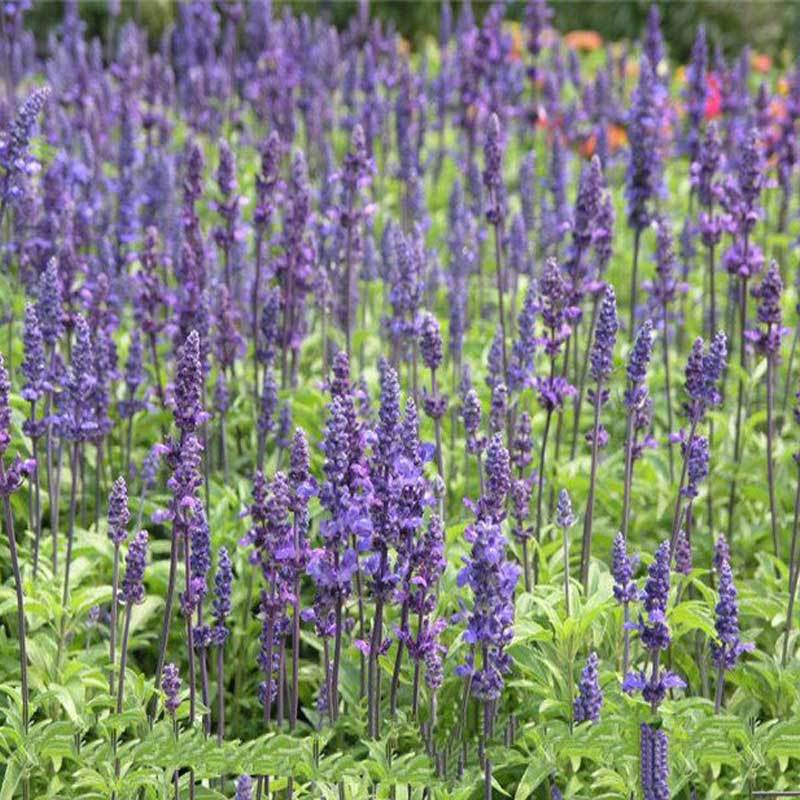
171,686
590,698
654,764
725,652
133,583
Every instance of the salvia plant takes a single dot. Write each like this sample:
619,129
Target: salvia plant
396,419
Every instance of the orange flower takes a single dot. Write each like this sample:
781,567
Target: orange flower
777,109
516,41
760,62
617,137
403,46
783,87
585,41
587,147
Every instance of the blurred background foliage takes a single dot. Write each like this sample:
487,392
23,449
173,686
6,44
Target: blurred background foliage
770,26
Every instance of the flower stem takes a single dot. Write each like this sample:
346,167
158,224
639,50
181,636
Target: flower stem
668,394
634,279
112,627
720,687
793,573
165,625
626,491
498,252
220,694
586,549
737,441
21,624
773,508
123,663
70,536
576,420
487,764
539,493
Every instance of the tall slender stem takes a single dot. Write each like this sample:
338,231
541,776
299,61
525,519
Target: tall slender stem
712,319
626,648
668,393
123,663
157,368
628,480
191,655
566,570
677,515
576,419
793,572
737,441
720,687
788,385
21,624
220,694
167,620
37,497
586,549
333,694
373,691
539,493
70,536
487,764
254,300
112,626
294,696
498,252
348,300
773,506
634,279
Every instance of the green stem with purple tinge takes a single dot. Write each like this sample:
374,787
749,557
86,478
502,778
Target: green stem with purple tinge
21,623
737,441
498,251
793,572
634,280
540,491
626,491
586,549
773,506
123,663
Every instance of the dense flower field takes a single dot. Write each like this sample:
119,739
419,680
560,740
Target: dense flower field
392,422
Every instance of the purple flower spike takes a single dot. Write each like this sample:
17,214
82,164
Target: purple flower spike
171,686
654,764
590,698
118,514
222,605
77,420
471,414
728,648
132,585
48,307
430,342
493,171
33,366
643,180
683,553
602,355
187,410
244,788
770,315
565,518
622,568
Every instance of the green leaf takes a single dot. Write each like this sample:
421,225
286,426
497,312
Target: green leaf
531,779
